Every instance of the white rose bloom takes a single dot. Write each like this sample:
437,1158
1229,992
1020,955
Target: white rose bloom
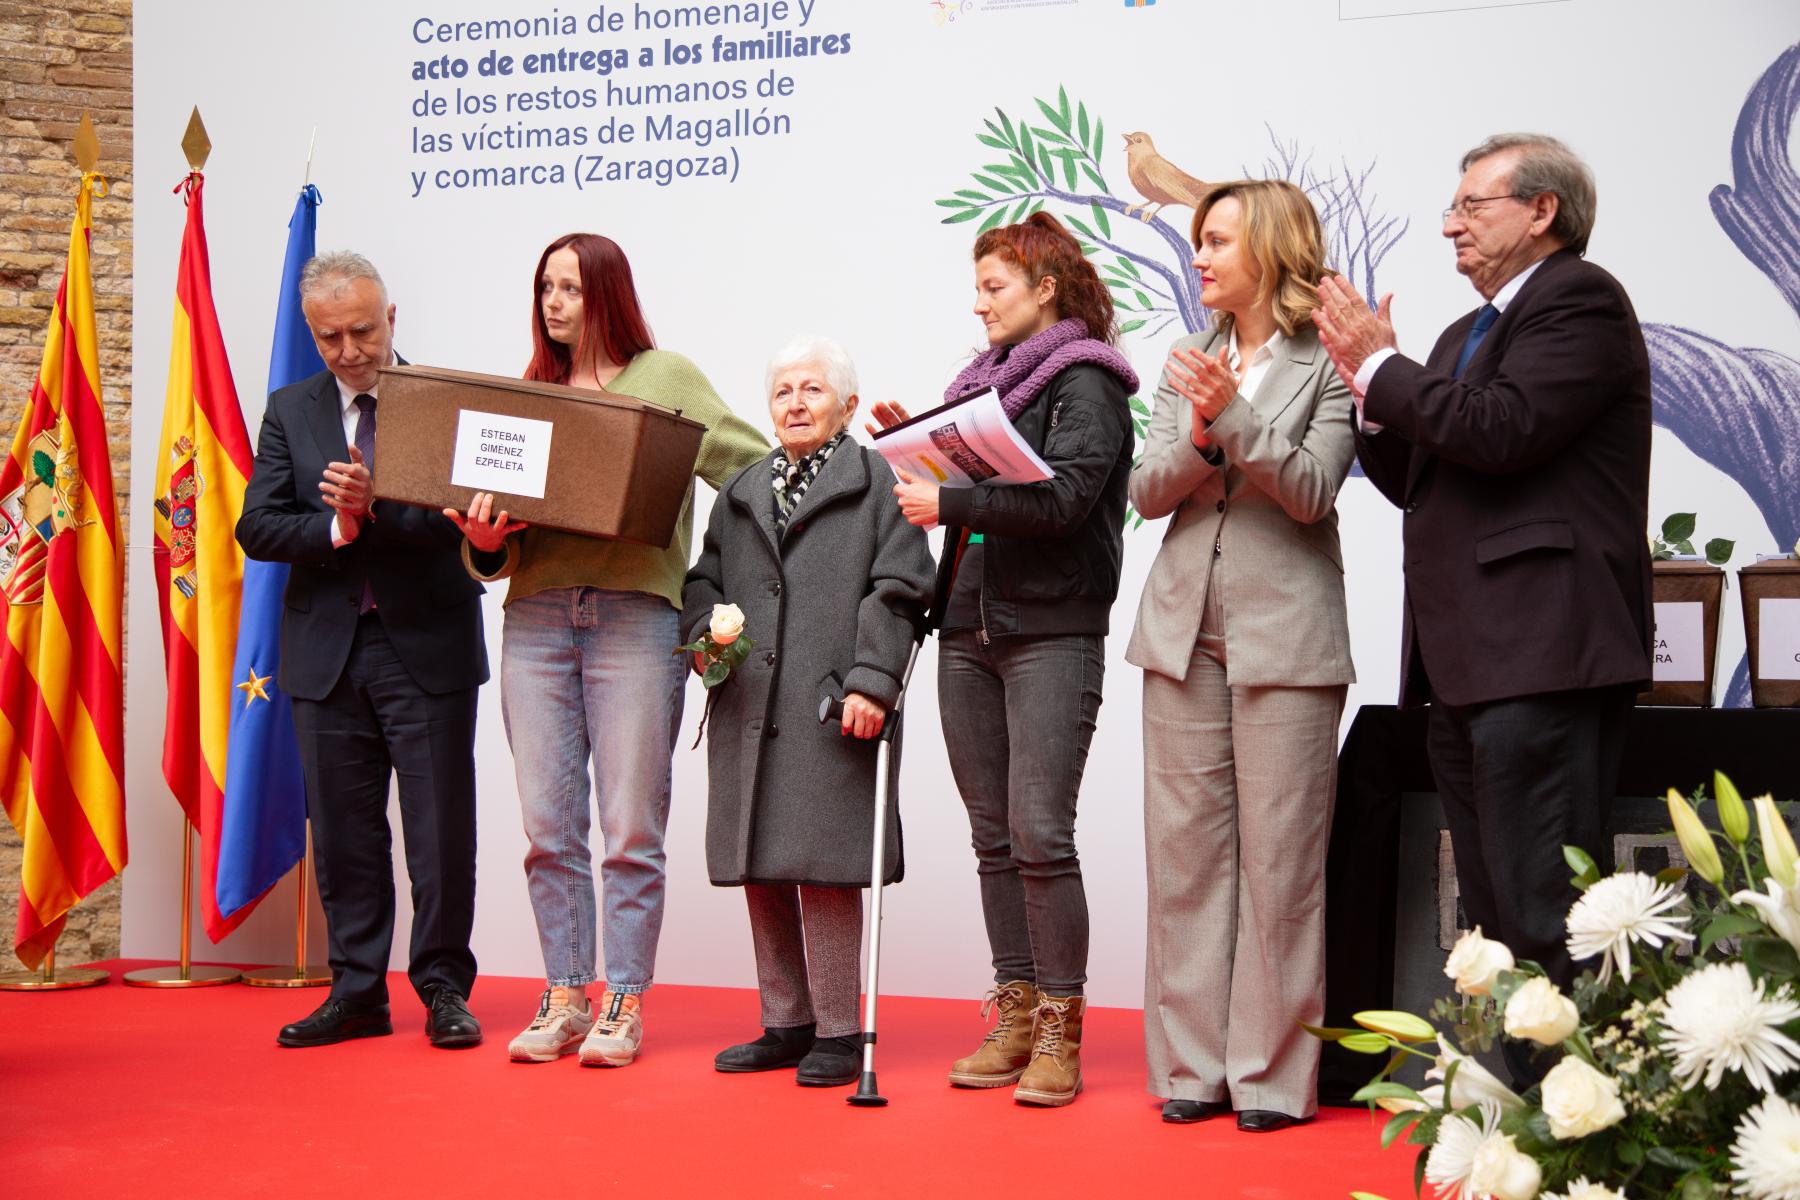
1474,1083
1579,1100
1581,1189
1503,1172
727,623
1475,962
1539,1012
1765,1158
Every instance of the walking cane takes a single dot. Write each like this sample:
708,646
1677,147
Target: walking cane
833,710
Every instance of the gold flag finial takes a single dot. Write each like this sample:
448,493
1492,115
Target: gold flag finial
87,145
196,143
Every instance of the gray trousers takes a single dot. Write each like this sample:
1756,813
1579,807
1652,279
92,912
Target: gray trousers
808,950
1238,788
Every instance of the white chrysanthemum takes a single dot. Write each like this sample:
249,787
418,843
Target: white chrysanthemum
1581,1189
1451,1162
1718,1019
1765,1158
1620,910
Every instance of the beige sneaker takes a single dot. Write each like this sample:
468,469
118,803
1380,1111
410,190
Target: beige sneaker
618,1029
556,1030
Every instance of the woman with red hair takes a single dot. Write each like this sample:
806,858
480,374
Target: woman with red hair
586,669
1028,577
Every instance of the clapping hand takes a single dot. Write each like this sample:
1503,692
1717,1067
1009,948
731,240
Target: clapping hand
348,488
1349,330
1208,383
485,535
887,414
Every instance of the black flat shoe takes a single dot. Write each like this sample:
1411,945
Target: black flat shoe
775,1049
449,1023
337,1021
1265,1120
1186,1112
832,1062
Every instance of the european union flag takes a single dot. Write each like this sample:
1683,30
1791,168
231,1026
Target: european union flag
262,832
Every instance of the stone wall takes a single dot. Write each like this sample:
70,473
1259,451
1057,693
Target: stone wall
58,58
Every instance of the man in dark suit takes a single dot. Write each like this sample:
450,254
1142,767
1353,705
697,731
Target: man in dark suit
1520,454
382,653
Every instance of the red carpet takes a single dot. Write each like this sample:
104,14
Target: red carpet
118,1091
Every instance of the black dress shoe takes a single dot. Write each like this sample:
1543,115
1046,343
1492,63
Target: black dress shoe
1266,1120
832,1062
1186,1112
775,1049
337,1021
449,1023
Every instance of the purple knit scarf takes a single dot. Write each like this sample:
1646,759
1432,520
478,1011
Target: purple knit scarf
1027,368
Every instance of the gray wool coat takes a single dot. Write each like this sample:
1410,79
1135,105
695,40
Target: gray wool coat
831,608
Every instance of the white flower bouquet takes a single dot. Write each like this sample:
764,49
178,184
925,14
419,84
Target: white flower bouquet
1677,1052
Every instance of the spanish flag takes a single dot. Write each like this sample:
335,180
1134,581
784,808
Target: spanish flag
62,712
202,465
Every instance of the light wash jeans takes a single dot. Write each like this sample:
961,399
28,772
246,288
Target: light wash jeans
587,671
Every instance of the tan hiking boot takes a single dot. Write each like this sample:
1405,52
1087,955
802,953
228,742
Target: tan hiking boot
556,1030
618,1030
1054,1075
1003,1053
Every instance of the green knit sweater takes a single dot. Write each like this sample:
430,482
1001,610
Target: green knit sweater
539,559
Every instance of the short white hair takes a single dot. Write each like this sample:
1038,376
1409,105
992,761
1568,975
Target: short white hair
329,273
840,372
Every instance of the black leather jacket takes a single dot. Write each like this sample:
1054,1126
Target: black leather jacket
1051,551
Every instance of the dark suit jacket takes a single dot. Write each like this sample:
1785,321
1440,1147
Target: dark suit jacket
429,607
1525,486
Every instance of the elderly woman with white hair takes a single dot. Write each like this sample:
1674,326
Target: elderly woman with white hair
832,582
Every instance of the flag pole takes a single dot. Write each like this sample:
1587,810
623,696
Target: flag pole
49,979
303,974
184,974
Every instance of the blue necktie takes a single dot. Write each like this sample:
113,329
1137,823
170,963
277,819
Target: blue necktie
1484,321
365,442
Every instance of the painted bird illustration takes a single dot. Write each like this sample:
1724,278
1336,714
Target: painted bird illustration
1157,179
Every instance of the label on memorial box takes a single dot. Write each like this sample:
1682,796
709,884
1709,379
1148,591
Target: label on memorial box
1778,639
1679,642
496,453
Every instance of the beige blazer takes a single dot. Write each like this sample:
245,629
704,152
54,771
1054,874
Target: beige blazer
1270,508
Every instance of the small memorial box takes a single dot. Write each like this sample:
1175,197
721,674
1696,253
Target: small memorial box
1685,644
588,462
1771,592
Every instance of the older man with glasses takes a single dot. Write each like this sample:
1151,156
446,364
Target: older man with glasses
1519,451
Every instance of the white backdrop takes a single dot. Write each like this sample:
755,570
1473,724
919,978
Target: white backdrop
829,225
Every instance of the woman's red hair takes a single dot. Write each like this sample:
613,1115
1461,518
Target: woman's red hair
1040,246
612,323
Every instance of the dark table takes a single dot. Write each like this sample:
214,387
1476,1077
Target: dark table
1383,758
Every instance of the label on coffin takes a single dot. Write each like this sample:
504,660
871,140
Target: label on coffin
496,453
1679,642
1778,639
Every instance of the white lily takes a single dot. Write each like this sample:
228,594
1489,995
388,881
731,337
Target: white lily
1473,1084
1780,909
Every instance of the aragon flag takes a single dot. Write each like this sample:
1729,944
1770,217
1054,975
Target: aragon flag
62,711
203,464
263,833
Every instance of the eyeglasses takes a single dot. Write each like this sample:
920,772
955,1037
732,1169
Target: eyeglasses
1468,206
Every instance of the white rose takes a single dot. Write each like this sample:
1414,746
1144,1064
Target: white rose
1475,961
1540,1012
1579,1100
1501,1171
727,623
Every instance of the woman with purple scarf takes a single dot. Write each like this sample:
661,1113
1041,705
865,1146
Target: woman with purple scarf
1028,578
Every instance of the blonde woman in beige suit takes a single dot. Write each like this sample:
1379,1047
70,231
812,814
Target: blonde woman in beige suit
1243,640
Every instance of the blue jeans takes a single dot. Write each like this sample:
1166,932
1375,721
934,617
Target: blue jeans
587,671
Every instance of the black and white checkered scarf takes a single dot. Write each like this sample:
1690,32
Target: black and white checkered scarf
791,479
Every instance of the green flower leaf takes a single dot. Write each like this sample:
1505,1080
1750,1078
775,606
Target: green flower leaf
1326,1033
1771,956
1397,1124
1095,176
1133,325
968,214
994,218
995,142
1679,527
1102,221
716,673
955,203
1099,138
1386,1088
1587,872
1079,226
1718,551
